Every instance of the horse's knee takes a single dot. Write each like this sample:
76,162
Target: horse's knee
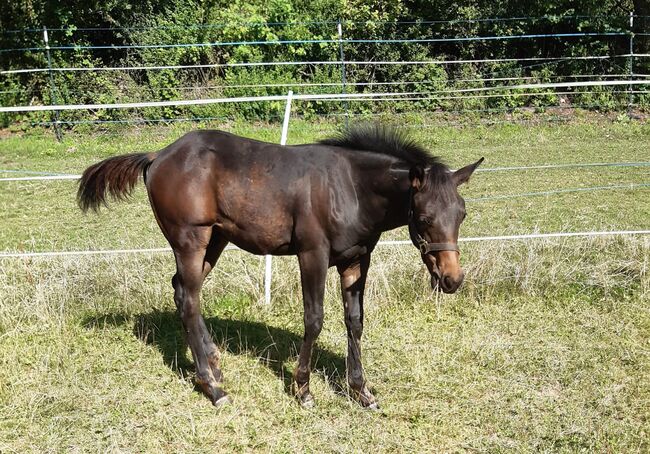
187,304
313,325
188,307
186,297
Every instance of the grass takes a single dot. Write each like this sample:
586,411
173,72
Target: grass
544,349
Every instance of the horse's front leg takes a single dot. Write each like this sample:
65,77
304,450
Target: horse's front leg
353,282
313,272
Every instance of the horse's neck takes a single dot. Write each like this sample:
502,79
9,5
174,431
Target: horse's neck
388,188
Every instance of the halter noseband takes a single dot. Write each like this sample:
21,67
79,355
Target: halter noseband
418,240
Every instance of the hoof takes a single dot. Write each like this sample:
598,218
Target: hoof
222,401
364,398
301,392
372,407
307,401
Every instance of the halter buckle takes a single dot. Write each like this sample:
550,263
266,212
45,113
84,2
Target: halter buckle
422,245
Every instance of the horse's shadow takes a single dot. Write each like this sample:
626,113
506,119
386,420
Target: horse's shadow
271,346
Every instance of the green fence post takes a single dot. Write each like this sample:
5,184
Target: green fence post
631,64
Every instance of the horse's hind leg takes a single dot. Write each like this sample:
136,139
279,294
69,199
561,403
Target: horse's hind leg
197,250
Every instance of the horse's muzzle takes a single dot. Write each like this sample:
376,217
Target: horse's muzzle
446,283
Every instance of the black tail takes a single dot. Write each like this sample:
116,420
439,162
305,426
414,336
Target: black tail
117,176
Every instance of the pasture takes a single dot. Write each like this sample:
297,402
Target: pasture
546,347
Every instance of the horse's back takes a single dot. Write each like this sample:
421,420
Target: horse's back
264,197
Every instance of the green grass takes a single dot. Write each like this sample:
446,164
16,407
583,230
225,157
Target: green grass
545,348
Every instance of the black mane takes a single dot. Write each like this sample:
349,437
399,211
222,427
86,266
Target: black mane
384,139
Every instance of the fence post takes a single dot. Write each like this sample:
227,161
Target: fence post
57,126
343,78
268,260
631,64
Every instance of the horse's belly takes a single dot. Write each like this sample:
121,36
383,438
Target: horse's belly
270,242
259,225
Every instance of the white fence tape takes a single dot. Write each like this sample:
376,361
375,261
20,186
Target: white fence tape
480,169
531,236
195,102
381,243
315,97
42,178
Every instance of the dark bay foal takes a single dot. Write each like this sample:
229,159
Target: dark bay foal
327,203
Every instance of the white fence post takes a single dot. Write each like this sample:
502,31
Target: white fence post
343,78
269,259
53,101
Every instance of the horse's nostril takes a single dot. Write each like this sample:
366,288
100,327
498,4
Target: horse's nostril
447,282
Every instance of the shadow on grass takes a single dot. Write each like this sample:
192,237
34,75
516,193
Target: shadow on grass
271,346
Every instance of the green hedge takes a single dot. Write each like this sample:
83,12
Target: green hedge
175,22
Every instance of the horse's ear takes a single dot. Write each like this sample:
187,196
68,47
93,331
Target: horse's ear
461,176
416,175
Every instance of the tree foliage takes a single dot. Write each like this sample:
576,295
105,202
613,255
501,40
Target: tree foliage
78,24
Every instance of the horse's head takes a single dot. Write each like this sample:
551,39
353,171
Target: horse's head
435,215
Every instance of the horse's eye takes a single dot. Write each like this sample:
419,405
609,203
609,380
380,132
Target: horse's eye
425,220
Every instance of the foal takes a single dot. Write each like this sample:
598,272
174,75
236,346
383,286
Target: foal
327,203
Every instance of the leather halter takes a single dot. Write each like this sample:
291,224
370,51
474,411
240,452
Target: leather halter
418,240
